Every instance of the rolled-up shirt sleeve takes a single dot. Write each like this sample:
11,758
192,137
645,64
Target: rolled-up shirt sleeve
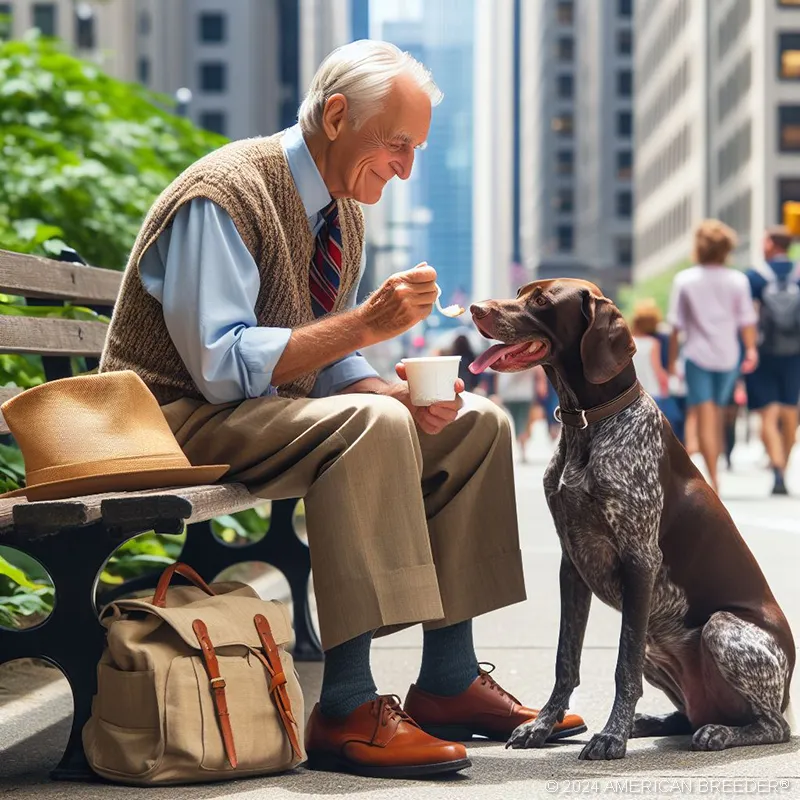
349,370
207,282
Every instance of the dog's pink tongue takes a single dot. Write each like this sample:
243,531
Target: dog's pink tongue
485,360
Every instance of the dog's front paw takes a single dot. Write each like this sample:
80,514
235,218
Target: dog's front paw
604,747
712,737
530,734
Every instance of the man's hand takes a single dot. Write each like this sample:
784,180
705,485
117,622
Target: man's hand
403,300
429,419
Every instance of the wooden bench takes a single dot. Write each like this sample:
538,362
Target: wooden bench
74,538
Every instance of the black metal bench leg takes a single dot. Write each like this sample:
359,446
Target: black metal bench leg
71,638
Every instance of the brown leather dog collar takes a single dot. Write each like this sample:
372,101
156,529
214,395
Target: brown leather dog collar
583,418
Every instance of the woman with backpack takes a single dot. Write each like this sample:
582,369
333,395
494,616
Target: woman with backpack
774,388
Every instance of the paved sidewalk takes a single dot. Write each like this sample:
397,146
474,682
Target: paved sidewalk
521,641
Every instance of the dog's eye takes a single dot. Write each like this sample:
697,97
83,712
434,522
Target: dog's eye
540,300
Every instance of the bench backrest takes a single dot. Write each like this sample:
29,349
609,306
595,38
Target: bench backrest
42,281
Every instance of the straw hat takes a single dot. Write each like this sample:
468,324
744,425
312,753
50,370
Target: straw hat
97,433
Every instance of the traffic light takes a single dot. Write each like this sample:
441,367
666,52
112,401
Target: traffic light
791,217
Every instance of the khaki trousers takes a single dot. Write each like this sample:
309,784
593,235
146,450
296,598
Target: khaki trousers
403,527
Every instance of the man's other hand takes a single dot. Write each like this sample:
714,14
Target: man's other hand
429,419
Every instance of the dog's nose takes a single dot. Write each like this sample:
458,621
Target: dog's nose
479,310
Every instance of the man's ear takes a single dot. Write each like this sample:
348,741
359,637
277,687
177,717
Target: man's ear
334,115
607,346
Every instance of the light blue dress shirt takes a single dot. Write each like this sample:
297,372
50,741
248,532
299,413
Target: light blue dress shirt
207,282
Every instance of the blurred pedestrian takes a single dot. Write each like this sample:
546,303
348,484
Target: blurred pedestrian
773,389
548,400
647,359
461,347
712,306
516,392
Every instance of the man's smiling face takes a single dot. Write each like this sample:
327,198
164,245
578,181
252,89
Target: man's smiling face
384,146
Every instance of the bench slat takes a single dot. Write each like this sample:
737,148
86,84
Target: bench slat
33,276
124,509
51,336
6,393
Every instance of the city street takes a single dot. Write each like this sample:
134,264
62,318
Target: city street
520,641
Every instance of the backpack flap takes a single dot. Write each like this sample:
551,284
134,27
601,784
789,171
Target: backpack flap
228,616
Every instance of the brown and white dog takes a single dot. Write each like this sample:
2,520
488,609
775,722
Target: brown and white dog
641,529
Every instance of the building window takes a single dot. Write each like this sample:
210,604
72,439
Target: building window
5,20
44,18
143,69
212,28
84,27
789,56
624,165
564,236
624,250
625,8
565,12
565,87
789,129
145,23
625,124
624,204
624,83
564,162
564,201
213,77
563,125
214,121
625,42
565,50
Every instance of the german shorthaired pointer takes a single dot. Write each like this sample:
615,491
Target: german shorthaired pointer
641,529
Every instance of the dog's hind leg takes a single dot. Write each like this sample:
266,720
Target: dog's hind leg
755,667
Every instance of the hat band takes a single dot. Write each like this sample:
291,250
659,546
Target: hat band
111,466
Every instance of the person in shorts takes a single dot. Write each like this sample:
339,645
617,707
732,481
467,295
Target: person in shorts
711,307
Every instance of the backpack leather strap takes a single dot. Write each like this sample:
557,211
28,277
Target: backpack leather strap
217,688
277,684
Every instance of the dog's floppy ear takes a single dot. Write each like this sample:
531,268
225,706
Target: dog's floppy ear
607,347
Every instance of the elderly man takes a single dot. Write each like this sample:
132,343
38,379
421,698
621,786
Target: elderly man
238,310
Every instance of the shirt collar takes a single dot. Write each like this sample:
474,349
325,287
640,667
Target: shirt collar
313,191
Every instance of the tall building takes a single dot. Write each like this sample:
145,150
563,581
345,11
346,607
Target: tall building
233,66
603,186
324,26
576,128
718,122
547,133
494,139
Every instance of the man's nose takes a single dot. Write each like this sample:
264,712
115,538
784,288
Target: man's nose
403,165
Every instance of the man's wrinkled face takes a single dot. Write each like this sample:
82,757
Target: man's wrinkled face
383,147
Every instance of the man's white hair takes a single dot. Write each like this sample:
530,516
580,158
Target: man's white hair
363,72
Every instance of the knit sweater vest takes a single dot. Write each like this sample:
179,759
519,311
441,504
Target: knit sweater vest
252,182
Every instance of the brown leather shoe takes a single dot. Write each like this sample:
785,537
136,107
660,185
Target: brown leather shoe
484,709
379,740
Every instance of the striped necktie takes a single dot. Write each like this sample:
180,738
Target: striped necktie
326,264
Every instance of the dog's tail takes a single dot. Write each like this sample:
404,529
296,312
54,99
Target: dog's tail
788,715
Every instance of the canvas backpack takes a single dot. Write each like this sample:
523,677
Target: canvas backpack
779,321
195,685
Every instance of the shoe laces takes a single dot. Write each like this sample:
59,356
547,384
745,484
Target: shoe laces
387,708
488,680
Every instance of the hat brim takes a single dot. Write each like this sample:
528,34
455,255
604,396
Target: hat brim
121,482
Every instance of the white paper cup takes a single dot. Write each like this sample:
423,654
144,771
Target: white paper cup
431,380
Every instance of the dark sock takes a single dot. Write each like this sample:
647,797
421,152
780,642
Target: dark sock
778,473
347,679
449,664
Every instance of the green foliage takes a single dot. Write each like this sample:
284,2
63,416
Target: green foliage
25,591
82,155
657,288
